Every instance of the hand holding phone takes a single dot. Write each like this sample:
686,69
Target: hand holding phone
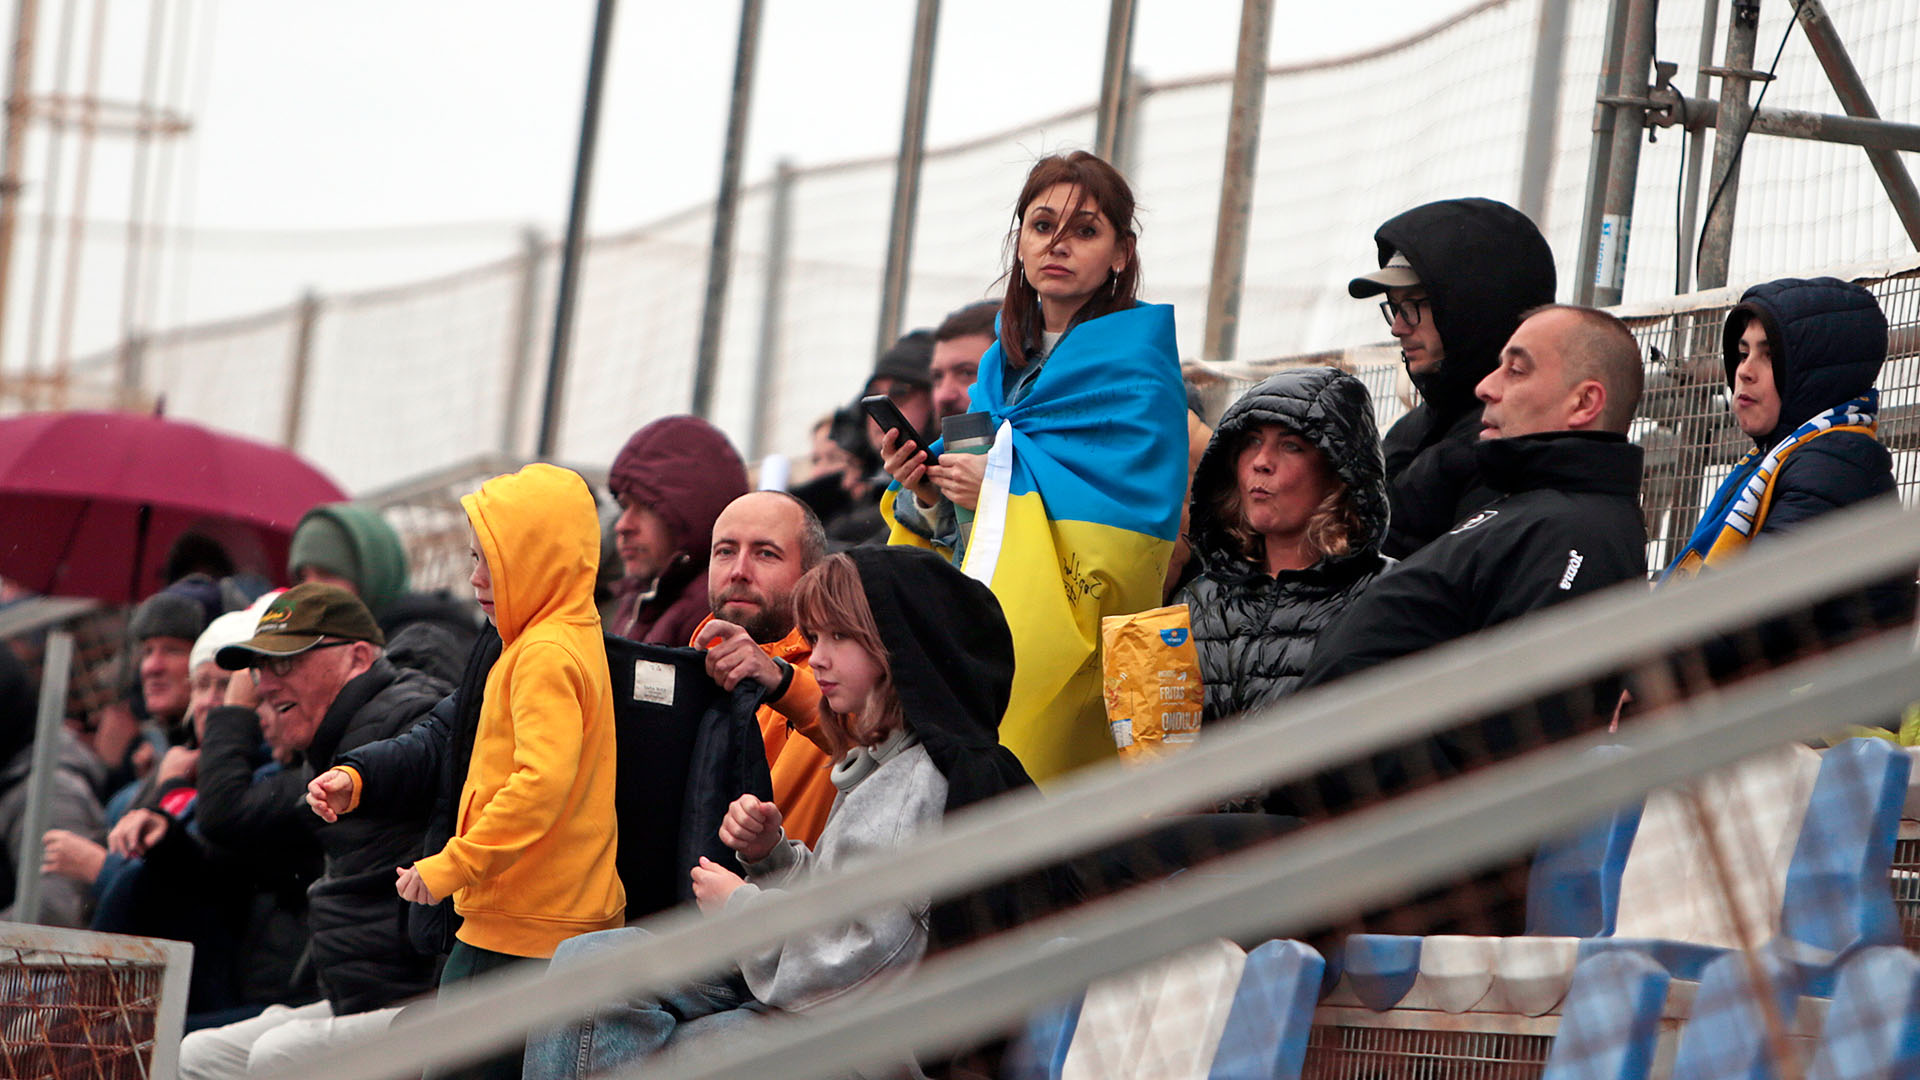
881,409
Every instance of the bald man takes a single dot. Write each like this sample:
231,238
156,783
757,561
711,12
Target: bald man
1553,443
762,543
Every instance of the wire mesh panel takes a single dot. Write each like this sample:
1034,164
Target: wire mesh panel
80,1006
1357,1052
1906,883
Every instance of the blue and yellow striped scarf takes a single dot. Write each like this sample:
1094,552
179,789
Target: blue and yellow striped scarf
1739,508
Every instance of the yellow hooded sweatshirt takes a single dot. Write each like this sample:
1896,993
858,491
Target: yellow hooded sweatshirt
531,862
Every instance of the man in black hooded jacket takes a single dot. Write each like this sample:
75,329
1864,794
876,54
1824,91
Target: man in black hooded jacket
1565,521
1457,275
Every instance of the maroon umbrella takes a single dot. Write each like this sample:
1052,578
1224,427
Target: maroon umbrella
90,502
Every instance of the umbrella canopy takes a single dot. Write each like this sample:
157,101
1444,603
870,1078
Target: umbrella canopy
91,502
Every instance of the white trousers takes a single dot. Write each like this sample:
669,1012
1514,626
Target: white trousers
278,1036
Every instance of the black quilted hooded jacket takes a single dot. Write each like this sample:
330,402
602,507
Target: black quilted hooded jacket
1254,631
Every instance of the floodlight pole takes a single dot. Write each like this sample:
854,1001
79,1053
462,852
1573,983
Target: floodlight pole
1598,164
19,85
572,249
1723,180
1543,110
1623,154
1236,181
1109,137
906,177
726,206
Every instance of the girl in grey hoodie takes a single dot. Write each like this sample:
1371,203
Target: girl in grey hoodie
915,665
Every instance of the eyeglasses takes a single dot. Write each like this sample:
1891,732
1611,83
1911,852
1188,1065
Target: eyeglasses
282,666
1408,309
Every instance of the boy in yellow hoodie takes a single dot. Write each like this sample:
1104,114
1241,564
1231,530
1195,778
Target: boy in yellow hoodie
531,861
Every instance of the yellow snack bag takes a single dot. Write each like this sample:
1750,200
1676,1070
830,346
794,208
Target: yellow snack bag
1152,681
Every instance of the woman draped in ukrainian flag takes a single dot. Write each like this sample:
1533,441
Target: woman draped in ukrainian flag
1075,509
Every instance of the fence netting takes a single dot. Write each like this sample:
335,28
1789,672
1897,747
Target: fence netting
401,382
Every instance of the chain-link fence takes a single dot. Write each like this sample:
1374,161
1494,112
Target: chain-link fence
379,387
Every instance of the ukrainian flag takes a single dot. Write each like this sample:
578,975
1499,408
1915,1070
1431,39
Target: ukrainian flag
1077,518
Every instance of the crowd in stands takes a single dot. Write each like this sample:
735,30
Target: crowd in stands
347,794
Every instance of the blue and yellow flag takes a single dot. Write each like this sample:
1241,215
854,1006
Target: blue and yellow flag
1077,518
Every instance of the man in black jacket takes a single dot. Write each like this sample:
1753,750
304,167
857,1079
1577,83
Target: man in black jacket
1457,275
1565,519
320,678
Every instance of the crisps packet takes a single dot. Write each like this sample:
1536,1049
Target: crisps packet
1152,681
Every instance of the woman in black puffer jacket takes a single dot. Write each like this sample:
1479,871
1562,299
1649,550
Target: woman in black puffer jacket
1289,508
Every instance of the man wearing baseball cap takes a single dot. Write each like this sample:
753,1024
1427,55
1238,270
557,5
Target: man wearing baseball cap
1456,275
314,681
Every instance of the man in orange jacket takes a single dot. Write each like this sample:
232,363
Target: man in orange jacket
762,543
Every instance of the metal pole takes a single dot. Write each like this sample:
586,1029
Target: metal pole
137,200
906,177
1543,111
1236,181
55,664
1812,127
1629,124
772,305
1696,158
1586,263
43,250
19,85
306,314
1126,132
77,213
1854,97
725,205
571,250
520,346
1114,77
1716,237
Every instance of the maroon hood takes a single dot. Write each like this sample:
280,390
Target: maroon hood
685,470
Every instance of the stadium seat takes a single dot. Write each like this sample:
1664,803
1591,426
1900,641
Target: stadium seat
1611,1022
1573,887
1040,1051
1873,1029
1726,1038
1266,1033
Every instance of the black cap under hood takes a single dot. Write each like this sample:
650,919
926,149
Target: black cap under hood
1332,410
1483,263
1828,338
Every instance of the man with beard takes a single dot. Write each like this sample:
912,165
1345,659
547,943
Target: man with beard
762,543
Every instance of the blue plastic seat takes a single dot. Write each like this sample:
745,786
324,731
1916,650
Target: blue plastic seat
1873,1028
1266,1033
1611,1020
1573,887
1040,1051
1726,1036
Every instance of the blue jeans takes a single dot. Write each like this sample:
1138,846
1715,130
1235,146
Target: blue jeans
621,1033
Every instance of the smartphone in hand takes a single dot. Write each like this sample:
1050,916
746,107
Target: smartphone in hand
881,409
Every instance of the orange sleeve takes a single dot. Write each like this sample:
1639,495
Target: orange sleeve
800,705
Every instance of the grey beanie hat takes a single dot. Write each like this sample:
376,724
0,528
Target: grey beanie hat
181,610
